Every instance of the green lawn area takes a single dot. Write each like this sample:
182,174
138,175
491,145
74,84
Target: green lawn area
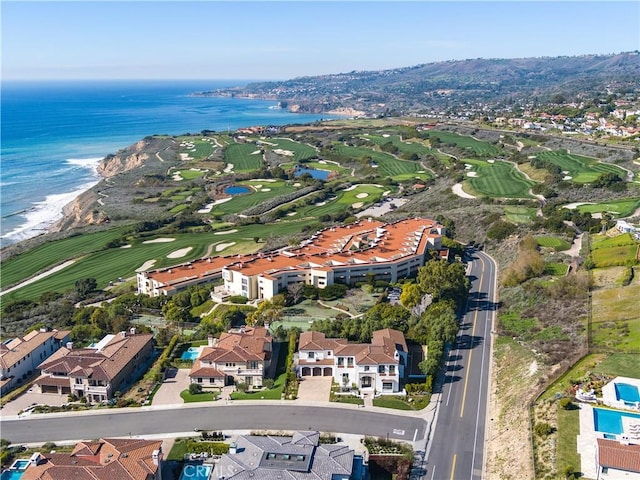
274,393
365,194
478,147
386,164
243,157
567,444
201,148
347,399
413,145
388,401
300,151
581,169
555,269
619,208
199,397
614,255
497,179
556,243
267,191
518,214
621,336
189,173
619,364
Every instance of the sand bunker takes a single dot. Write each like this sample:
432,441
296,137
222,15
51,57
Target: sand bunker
257,152
206,209
357,205
146,266
222,246
472,174
571,206
291,214
297,184
160,240
222,200
228,168
491,161
352,187
226,232
126,246
319,204
362,195
386,193
265,190
567,177
457,189
179,253
279,151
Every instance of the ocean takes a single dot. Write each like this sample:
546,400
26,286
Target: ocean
53,134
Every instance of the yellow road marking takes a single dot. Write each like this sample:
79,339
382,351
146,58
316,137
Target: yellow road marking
473,334
453,467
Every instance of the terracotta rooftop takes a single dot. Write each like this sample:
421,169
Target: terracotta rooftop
18,348
106,459
188,271
613,454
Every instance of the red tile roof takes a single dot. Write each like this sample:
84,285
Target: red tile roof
613,454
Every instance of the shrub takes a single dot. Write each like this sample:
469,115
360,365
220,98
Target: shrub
238,299
195,388
543,429
566,403
268,383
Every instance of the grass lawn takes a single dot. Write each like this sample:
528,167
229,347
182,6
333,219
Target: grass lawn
347,399
555,269
517,214
201,148
199,397
556,243
581,169
300,151
189,174
619,364
178,451
365,194
387,165
611,251
407,146
243,157
622,336
266,191
567,443
274,393
388,401
478,147
498,179
619,208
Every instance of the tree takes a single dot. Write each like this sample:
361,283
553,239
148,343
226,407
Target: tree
411,295
444,280
195,388
85,286
296,292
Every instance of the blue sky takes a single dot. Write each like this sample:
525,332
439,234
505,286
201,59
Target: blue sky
281,40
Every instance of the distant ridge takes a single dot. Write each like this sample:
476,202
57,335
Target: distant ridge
441,84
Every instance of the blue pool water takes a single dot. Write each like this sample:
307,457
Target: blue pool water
196,472
11,475
20,464
626,392
190,354
317,174
610,421
236,190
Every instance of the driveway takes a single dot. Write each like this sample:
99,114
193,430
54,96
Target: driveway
169,392
314,389
29,398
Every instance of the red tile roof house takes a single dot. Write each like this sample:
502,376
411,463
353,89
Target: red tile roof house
242,355
618,460
105,459
20,357
377,366
344,254
97,372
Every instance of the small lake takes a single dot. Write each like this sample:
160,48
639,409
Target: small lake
236,190
317,174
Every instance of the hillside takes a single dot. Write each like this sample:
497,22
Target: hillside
443,84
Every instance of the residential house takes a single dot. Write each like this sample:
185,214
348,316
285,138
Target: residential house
98,371
20,357
105,459
618,460
377,366
300,456
241,355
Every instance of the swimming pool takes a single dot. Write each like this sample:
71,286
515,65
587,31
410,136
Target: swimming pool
11,475
626,392
21,464
190,354
610,421
196,472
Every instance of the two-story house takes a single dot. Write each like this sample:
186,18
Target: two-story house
377,366
242,355
98,371
20,357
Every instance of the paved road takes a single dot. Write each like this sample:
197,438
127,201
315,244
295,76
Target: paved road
81,426
457,447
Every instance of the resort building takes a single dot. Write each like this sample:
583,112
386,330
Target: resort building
20,357
300,457
239,356
346,254
105,459
378,366
98,371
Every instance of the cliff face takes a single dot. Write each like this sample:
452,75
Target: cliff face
84,210
124,160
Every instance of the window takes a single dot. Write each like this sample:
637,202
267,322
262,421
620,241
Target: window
328,353
229,364
253,365
311,355
249,380
392,369
341,361
380,368
199,380
350,362
212,380
366,368
387,386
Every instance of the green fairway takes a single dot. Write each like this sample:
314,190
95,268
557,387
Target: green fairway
498,179
386,164
187,174
618,208
260,192
581,169
404,146
357,198
300,150
518,214
195,148
479,148
555,269
245,157
556,243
